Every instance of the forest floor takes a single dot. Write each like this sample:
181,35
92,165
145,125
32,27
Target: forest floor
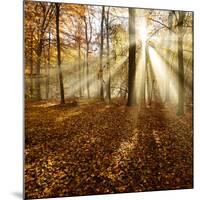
95,148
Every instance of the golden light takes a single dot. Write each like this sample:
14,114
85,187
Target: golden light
142,31
161,69
139,72
92,78
143,37
158,64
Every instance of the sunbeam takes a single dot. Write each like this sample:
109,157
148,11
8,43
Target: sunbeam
172,66
93,83
161,69
142,31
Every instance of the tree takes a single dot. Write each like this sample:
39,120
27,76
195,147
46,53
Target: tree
170,21
79,58
132,58
48,64
108,55
87,40
62,95
148,77
180,109
101,54
31,64
47,12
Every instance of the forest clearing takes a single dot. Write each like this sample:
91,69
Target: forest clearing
108,100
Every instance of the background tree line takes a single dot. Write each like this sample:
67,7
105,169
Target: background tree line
97,51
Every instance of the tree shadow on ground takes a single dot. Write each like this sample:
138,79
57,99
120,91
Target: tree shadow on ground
77,149
107,149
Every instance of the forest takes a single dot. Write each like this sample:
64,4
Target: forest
108,99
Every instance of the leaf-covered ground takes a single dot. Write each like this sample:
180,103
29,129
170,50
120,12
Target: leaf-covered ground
95,148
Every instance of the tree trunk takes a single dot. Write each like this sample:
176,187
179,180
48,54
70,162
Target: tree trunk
84,74
152,82
170,21
87,71
62,95
108,59
79,67
132,57
31,66
87,55
38,65
48,65
148,76
180,110
101,55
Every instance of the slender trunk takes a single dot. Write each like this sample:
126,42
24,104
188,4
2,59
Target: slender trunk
45,63
142,92
87,55
38,66
62,96
132,57
108,59
87,70
79,67
101,55
170,21
147,75
84,74
180,110
48,64
152,83
144,89
31,67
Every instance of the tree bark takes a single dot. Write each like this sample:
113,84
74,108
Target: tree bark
48,65
38,65
132,58
167,93
79,68
108,57
31,66
87,70
87,56
148,76
101,55
180,109
62,95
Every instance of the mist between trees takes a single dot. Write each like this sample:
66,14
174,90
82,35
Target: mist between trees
83,51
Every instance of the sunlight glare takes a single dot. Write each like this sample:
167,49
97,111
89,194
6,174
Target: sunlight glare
143,31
